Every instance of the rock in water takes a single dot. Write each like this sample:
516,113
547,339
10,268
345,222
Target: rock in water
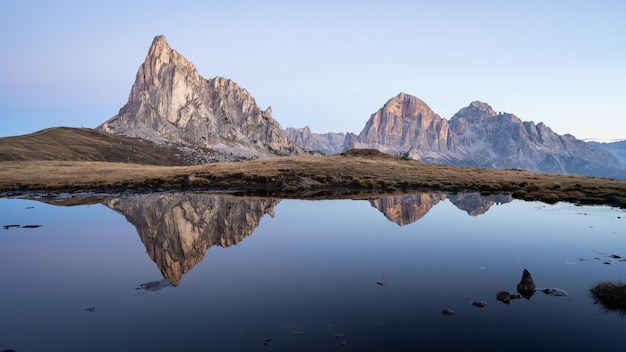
479,304
526,283
504,297
207,119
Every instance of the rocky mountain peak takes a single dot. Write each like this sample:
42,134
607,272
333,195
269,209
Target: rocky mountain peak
407,126
476,110
207,120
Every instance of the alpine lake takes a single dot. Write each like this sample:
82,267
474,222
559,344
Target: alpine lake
220,272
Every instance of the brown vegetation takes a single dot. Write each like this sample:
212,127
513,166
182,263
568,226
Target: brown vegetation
611,295
65,143
345,175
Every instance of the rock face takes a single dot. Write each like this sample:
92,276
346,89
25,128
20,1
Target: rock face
209,119
618,149
406,126
326,143
477,136
177,229
501,141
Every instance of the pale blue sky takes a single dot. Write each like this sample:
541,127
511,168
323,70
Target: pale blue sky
325,64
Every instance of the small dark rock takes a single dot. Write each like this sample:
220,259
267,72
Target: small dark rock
90,309
380,283
526,283
479,304
447,311
6,227
504,297
31,226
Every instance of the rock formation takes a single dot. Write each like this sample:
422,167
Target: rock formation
618,149
476,136
406,126
208,119
326,143
177,229
501,141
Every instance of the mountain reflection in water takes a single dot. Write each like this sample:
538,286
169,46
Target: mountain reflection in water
407,209
178,228
319,276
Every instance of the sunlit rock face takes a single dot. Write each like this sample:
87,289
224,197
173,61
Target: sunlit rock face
406,126
214,119
178,229
501,140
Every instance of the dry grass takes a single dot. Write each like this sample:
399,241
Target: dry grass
310,176
611,295
84,144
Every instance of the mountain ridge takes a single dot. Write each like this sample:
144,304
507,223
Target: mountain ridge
476,136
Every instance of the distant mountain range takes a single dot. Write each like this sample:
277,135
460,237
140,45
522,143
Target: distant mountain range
475,136
618,149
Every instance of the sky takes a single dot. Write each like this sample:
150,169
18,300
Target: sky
328,65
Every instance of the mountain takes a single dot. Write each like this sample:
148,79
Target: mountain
207,119
405,125
618,149
475,136
503,141
178,229
326,143
85,144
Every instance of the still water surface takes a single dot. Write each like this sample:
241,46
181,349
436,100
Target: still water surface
214,272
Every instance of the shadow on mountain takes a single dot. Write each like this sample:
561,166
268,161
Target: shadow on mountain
407,209
178,229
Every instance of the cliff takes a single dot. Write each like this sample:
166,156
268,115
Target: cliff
405,125
207,119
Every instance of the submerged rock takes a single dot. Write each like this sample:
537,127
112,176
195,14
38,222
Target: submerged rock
479,304
447,311
554,292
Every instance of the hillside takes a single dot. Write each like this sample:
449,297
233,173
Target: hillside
84,144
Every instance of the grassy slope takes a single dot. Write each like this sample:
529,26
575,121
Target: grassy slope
65,143
310,176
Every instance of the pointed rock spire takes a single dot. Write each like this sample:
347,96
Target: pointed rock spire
211,120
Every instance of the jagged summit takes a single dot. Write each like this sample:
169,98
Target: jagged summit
475,136
476,110
407,126
207,119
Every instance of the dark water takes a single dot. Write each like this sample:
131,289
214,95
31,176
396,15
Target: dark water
206,272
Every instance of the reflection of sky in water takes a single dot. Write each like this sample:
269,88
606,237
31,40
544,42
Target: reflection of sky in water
313,268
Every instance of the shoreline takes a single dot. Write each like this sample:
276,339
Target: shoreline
306,177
